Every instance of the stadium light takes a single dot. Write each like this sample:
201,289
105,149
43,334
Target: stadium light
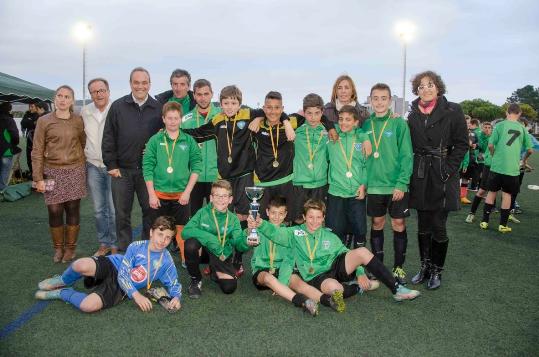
83,33
406,30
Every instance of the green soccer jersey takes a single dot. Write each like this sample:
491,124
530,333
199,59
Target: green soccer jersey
483,148
185,102
509,138
220,239
267,255
390,165
208,148
347,163
310,156
312,253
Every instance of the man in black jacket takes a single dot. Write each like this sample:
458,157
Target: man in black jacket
131,121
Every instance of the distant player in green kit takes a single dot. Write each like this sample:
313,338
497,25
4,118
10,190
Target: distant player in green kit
388,174
508,138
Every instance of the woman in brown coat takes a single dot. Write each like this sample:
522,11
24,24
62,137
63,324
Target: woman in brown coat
59,171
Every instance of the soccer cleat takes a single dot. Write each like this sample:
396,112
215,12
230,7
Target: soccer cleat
195,289
400,275
48,294
52,283
470,218
483,225
336,302
403,293
514,219
240,271
465,201
311,307
504,229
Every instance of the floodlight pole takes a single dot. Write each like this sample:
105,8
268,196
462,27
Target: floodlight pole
84,74
404,78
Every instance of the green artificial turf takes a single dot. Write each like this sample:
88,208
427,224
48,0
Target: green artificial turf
487,304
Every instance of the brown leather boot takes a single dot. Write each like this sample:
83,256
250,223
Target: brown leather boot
72,234
57,235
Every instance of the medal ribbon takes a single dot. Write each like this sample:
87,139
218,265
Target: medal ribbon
377,143
170,155
311,152
313,251
221,240
346,160
274,147
149,282
272,248
230,139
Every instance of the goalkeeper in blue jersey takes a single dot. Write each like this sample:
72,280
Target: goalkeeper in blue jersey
115,277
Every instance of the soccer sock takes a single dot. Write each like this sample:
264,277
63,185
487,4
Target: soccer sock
475,203
380,271
513,200
400,242
463,191
350,290
504,216
377,243
70,276
486,212
298,300
325,300
180,242
73,297
359,241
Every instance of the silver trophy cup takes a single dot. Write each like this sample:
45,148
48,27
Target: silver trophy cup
254,194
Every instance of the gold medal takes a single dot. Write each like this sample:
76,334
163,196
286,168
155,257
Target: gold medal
349,174
170,155
376,155
275,163
377,141
170,169
310,166
222,257
220,239
311,270
229,159
312,252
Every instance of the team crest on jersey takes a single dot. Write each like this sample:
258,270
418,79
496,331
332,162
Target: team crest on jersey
183,147
138,274
205,225
299,232
265,133
187,117
388,133
358,146
325,244
241,124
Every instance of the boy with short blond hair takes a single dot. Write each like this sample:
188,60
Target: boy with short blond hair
212,235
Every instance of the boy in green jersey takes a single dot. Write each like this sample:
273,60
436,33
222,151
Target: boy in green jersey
170,166
485,172
322,261
211,236
203,112
268,258
388,175
508,139
347,179
310,156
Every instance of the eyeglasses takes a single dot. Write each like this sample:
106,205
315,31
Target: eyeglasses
221,196
428,86
100,91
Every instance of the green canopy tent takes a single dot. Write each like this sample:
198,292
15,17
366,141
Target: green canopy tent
13,89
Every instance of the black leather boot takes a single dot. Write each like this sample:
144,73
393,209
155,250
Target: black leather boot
439,251
435,279
424,243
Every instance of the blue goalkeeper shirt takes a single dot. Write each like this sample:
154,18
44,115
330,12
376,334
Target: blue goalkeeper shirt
133,269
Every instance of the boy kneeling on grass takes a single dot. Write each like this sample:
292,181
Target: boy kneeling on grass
269,257
323,262
116,276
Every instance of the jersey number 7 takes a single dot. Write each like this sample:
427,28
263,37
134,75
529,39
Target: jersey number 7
515,134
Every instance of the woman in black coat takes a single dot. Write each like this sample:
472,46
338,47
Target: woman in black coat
439,140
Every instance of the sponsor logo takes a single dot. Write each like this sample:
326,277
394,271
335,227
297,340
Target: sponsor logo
358,146
325,244
388,133
299,232
205,225
223,126
183,147
138,274
265,133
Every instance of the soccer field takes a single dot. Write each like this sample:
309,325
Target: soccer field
488,303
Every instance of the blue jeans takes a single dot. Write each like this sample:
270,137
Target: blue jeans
347,215
5,169
100,190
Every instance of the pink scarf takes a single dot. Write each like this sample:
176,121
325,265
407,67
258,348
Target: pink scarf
427,108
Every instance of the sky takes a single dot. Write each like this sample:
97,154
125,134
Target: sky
482,49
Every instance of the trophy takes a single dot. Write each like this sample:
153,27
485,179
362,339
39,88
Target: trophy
254,194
